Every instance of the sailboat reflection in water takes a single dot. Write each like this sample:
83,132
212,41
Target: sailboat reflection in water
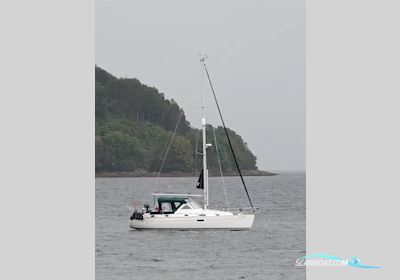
182,212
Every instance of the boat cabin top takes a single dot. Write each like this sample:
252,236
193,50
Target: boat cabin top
170,204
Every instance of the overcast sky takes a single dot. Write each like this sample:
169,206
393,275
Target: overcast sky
256,53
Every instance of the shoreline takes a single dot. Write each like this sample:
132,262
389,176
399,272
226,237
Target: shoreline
178,174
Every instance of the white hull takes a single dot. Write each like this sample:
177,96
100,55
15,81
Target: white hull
179,222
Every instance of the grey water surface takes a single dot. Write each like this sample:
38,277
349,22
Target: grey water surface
268,251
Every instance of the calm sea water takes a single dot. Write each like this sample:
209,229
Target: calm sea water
268,251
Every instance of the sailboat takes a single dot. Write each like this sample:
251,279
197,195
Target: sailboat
182,212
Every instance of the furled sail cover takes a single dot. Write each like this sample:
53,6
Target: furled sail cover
200,182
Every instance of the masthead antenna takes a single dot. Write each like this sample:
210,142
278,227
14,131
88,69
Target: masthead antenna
203,58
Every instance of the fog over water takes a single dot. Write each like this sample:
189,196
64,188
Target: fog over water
256,53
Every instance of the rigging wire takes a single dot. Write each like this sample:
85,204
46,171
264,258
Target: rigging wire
167,150
227,135
197,67
220,167
170,143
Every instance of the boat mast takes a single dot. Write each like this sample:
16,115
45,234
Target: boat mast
203,124
227,134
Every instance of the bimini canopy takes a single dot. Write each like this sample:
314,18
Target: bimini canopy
172,199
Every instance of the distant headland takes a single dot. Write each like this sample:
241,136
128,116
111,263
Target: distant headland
135,123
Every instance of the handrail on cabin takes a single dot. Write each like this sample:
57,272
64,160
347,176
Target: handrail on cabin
177,194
